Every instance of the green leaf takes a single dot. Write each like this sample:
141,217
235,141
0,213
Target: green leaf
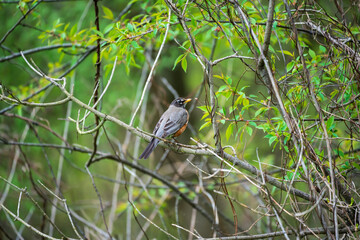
245,102
204,125
231,109
73,30
286,148
264,127
113,46
205,115
135,44
221,88
322,49
179,58
128,59
108,28
108,13
356,165
253,124
249,130
312,54
238,100
98,33
155,32
184,64
229,131
219,77
287,53
330,123
275,25
203,108
229,80
290,66
272,139
63,35
334,93
130,27
261,110
223,111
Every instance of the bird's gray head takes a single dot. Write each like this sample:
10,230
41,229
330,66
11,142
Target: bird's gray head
180,102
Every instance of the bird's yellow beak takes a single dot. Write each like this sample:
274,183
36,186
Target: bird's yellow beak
187,100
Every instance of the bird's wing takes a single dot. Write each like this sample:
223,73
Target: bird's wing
170,122
158,125
175,122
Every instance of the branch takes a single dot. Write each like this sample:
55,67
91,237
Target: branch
18,22
160,178
40,49
348,50
235,55
27,225
35,123
79,61
290,232
202,150
268,29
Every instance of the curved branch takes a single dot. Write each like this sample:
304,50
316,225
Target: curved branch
18,22
40,49
158,177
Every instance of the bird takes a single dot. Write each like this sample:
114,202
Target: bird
172,123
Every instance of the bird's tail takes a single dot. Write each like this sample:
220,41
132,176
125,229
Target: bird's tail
148,150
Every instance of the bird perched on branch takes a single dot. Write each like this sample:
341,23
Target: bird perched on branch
172,123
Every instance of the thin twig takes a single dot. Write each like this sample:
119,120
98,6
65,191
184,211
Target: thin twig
18,22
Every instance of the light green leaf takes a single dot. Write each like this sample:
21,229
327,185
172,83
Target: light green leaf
286,148
108,28
322,49
98,33
204,125
203,108
205,115
249,130
108,13
130,27
290,66
312,54
179,58
229,131
287,53
272,139
219,77
238,100
223,111
245,102
184,64
253,124
334,93
229,80
330,123
261,110
135,44
221,88
155,32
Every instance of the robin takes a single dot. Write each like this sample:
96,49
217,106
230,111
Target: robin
173,122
